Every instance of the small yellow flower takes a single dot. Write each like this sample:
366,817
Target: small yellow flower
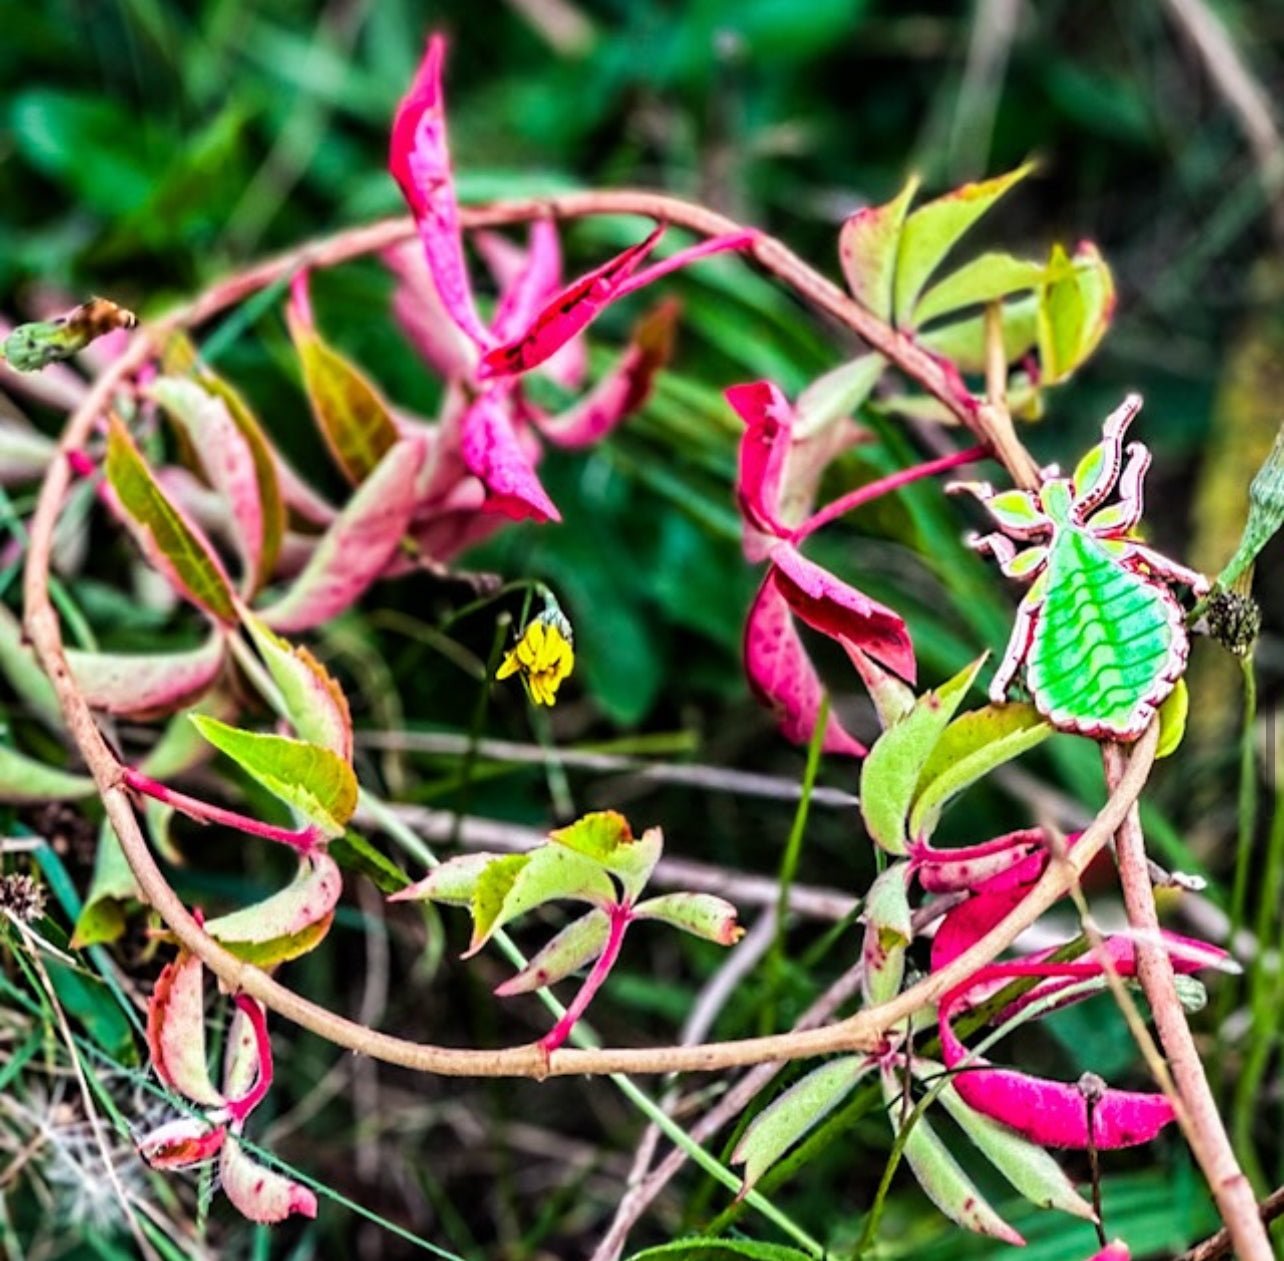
544,656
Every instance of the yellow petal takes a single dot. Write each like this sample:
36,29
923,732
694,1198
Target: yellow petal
509,666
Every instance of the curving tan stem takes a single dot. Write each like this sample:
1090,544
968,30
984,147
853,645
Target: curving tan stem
988,420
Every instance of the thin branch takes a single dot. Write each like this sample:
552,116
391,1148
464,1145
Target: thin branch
1219,1245
1198,1114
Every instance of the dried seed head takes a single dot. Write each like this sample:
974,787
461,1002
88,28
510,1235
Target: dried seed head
22,897
1234,620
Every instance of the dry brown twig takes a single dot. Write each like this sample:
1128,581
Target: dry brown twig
862,1031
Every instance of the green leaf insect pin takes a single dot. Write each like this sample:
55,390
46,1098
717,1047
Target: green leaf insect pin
1100,632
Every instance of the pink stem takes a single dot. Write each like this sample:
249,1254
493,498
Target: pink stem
621,916
884,486
693,253
303,840
300,298
254,1013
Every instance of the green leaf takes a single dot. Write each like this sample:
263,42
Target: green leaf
287,924
23,780
888,933
518,883
163,533
836,394
354,853
963,341
354,420
970,747
868,246
25,452
102,918
983,280
700,1249
803,1106
23,672
578,944
316,782
1075,309
606,837
895,763
91,1003
934,229
453,882
700,914
1028,1167
314,701
940,1175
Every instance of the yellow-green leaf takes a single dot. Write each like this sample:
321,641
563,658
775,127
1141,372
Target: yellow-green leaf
168,541
1075,308
313,780
353,418
1172,719
314,701
970,747
933,230
868,246
983,280
892,769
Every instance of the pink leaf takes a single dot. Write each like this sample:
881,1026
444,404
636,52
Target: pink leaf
525,289
176,1030
492,452
248,1071
964,868
623,390
782,676
420,162
358,545
764,447
1116,1251
567,313
182,1142
685,257
260,1193
845,614
145,685
418,308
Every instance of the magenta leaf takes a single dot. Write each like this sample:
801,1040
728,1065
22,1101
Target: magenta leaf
358,545
260,1193
764,447
493,452
1052,1114
966,867
832,607
418,308
419,160
567,313
782,676
182,1142
624,388
526,287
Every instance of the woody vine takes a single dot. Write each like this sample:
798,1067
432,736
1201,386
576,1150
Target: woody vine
977,348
